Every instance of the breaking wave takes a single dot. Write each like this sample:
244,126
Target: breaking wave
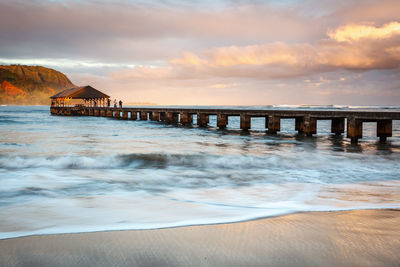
228,169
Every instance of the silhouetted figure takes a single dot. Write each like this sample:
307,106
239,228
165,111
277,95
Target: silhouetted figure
120,103
115,103
108,102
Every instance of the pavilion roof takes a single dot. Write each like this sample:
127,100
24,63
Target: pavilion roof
80,92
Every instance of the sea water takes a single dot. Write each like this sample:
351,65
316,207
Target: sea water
62,174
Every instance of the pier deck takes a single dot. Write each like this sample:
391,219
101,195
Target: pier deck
305,120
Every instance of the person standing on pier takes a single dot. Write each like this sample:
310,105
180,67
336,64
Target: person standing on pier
120,103
115,103
108,102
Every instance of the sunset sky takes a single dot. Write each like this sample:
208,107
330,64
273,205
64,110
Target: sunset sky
229,52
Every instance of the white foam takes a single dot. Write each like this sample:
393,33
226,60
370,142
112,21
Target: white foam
182,207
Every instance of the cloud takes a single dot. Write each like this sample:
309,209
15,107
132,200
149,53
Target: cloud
189,59
353,32
135,31
351,47
213,52
223,85
340,87
147,32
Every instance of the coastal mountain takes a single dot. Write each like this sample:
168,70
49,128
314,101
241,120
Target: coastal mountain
30,85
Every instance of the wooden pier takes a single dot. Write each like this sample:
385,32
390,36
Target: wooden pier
305,120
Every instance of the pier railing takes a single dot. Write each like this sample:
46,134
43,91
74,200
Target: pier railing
305,120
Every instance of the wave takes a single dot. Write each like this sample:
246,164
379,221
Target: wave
189,170
100,162
134,211
134,160
6,121
138,160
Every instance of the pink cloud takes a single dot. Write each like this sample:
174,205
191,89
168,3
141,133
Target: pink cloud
351,47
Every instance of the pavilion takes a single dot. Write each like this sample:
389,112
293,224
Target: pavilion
80,96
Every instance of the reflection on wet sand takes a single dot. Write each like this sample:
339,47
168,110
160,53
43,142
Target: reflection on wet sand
349,238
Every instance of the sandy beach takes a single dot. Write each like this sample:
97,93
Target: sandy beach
346,238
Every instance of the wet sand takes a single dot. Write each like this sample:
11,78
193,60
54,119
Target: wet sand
348,238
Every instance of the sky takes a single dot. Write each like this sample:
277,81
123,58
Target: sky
228,52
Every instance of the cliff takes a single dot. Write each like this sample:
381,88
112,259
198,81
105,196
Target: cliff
30,85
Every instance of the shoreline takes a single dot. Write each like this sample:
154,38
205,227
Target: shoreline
198,224
367,237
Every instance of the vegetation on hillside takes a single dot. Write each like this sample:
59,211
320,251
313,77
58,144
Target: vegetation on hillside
30,85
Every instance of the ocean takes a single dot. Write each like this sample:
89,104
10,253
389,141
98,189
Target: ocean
63,174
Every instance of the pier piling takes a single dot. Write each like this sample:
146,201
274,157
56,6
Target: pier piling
172,117
162,116
109,113
354,129
202,119
133,115
337,126
245,122
186,118
143,115
305,120
222,121
274,124
299,124
155,116
310,125
383,129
